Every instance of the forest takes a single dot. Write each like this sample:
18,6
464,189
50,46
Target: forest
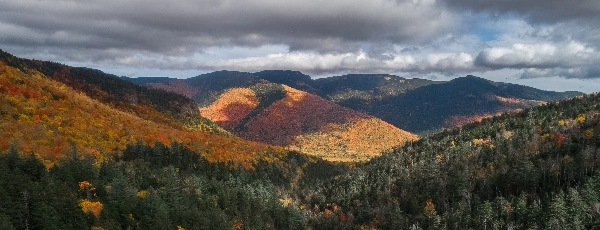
537,169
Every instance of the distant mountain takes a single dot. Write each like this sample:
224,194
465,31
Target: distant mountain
417,105
351,87
456,103
268,106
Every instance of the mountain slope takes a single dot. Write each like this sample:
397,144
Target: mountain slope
284,116
417,105
51,119
352,87
156,105
456,102
513,171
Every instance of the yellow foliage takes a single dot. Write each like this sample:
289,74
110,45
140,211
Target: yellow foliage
561,122
588,134
94,207
545,136
142,194
85,185
580,118
180,228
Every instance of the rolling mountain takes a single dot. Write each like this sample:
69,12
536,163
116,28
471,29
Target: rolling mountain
280,115
155,105
347,90
416,105
268,106
71,161
455,103
51,118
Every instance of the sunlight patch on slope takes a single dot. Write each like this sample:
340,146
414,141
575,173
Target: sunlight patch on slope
231,107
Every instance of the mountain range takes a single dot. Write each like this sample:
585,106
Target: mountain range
416,105
343,118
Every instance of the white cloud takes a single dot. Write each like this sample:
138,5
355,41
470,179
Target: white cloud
545,55
315,63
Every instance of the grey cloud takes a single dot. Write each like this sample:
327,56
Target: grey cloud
319,64
179,28
577,20
542,55
587,72
536,11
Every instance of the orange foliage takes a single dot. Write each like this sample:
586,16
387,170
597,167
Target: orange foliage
231,107
57,118
310,124
429,209
237,226
94,207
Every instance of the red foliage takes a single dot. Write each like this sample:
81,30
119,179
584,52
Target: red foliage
306,122
558,138
50,126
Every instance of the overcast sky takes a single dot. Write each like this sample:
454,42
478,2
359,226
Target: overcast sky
551,45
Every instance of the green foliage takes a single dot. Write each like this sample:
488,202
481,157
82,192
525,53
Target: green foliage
158,187
504,172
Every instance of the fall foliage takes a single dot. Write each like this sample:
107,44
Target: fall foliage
49,118
304,122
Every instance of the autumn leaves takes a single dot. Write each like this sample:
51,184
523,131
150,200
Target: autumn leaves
304,122
50,119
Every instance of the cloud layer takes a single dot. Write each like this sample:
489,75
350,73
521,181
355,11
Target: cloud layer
536,37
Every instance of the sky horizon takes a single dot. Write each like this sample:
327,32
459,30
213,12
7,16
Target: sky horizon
547,45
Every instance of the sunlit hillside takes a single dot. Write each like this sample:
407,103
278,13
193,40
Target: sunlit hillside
284,116
51,119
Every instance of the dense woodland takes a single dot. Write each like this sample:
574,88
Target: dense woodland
537,169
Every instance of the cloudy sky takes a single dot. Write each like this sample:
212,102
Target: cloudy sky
548,44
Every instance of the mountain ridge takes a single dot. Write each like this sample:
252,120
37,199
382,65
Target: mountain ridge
417,105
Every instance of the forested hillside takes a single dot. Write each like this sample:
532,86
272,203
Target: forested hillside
160,187
150,104
456,103
537,169
69,160
50,118
284,116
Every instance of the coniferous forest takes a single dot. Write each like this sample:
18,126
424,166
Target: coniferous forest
537,169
